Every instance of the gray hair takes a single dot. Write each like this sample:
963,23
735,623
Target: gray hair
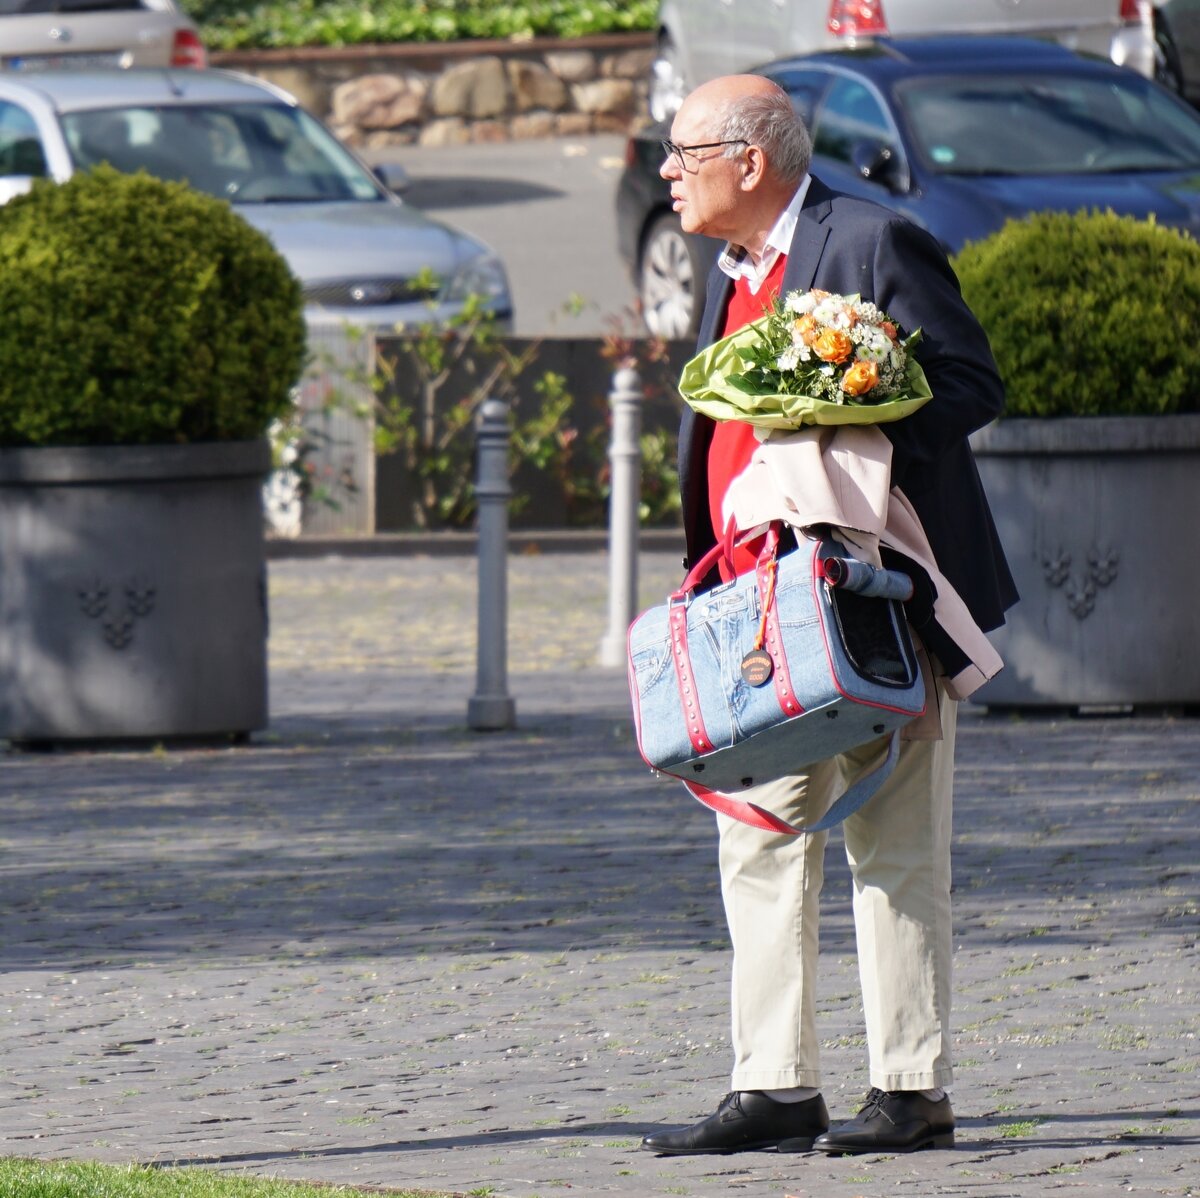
769,120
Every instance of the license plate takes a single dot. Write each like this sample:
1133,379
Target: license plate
45,62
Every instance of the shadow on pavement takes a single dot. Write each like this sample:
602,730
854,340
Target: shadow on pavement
335,841
466,192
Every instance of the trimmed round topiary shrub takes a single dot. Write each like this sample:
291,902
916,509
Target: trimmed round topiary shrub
1089,314
137,311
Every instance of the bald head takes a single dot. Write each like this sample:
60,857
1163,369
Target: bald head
757,112
743,152
728,89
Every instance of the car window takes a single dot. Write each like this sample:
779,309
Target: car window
252,153
851,113
20,147
1045,124
804,88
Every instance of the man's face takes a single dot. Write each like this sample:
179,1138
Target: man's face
705,188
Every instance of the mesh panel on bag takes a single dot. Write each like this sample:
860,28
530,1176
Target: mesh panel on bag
875,637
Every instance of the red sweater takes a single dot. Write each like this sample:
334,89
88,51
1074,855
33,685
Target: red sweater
733,442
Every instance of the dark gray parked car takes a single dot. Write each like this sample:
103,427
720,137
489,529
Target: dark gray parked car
1177,36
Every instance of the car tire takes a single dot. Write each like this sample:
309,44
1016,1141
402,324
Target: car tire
667,83
671,275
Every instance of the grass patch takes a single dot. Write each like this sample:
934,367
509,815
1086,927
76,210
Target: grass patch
1017,1131
64,1179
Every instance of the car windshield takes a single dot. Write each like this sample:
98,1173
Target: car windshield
247,153
1048,125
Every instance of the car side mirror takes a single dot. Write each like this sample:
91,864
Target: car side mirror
393,176
876,161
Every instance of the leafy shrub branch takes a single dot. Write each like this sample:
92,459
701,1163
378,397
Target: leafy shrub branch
425,391
434,434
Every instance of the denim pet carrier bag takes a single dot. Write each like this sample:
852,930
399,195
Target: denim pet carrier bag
805,657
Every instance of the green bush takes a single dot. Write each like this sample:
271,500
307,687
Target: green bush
236,24
1089,314
138,311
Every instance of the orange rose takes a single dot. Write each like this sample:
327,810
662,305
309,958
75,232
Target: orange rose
891,330
833,346
860,378
806,328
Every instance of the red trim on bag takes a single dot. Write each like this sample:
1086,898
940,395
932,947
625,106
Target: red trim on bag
740,809
767,565
689,697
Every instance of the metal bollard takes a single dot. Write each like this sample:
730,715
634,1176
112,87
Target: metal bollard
625,455
491,709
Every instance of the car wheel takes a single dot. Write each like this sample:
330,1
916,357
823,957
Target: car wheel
670,278
667,84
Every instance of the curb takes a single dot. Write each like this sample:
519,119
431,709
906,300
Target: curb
450,544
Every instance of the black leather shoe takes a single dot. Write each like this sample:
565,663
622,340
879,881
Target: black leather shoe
893,1121
747,1120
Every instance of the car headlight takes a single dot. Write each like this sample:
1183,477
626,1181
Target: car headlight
485,276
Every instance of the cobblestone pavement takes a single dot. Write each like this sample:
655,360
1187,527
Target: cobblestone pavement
374,947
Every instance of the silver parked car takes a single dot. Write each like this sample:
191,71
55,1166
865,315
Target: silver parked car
360,252
35,34
701,39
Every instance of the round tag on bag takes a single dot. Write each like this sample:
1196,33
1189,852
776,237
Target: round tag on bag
757,667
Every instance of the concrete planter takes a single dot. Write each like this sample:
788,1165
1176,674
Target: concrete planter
132,592
1101,524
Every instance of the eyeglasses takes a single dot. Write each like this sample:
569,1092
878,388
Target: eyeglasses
670,147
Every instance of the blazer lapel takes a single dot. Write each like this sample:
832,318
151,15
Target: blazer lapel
808,242
716,301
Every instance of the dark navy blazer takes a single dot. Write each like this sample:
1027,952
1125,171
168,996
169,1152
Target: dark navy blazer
851,246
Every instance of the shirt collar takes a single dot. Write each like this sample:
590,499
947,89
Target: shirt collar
738,264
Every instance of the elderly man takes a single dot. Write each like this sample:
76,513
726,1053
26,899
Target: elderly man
737,161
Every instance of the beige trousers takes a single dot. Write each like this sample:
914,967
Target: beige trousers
898,846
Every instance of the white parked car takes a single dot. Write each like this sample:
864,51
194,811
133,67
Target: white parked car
701,39
35,34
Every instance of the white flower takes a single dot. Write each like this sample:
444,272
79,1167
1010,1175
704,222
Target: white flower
825,311
789,359
875,345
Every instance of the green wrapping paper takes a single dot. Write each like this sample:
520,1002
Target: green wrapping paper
712,384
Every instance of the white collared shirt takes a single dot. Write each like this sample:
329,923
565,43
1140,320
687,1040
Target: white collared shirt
737,263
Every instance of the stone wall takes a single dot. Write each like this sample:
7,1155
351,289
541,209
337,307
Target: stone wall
460,92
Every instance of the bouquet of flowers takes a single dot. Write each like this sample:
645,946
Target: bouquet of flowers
817,358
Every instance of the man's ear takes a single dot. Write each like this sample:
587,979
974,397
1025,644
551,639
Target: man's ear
754,168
